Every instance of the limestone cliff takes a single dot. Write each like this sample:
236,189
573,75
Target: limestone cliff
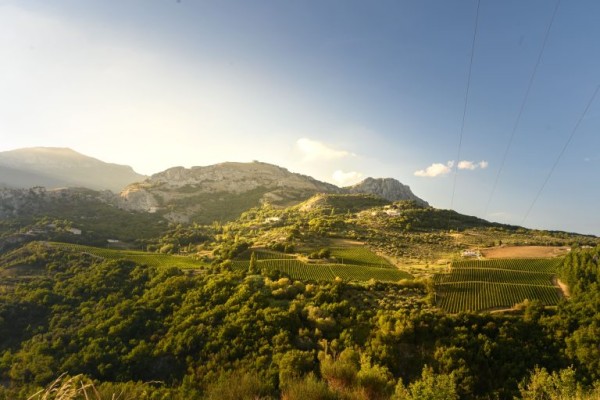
388,188
185,194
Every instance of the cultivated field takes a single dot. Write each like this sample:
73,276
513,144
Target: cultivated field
298,269
263,254
139,257
479,285
525,252
359,255
353,264
360,264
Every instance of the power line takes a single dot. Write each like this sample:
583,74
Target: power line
520,113
587,107
462,126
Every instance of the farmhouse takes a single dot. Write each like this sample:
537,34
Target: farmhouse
470,253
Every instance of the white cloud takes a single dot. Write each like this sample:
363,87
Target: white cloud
470,165
346,178
315,150
436,169
467,165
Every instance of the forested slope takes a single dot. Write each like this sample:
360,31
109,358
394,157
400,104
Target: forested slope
225,334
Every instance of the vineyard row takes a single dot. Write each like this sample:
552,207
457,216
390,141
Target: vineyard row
297,269
479,296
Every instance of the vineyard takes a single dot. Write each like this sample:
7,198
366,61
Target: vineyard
139,257
478,285
529,265
359,255
298,269
356,263
263,254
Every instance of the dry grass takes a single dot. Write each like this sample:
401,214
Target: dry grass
524,252
70,388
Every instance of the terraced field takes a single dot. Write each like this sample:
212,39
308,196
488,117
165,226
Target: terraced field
298,269
495,275
478,285
355,263
266,259
139,257
359,255
264,254
525,264
362,273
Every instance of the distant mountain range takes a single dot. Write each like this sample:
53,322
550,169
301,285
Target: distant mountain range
201,194
54,167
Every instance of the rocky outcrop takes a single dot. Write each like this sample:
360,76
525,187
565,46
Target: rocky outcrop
39,200
138,199
236,178
186,192
193,194
387,188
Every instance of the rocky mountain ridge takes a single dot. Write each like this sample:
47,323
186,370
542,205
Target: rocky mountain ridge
35,201
186,193
201,194
387,188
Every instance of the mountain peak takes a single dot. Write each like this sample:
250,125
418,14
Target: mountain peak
54,167
190,193
45,152
237,177
387,188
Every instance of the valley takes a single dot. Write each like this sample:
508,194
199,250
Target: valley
285,287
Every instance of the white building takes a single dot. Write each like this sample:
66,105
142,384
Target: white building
470,253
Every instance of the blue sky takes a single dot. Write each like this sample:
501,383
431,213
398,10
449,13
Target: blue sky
340,90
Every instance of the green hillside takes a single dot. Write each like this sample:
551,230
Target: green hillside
311,301
479,285
138,257
355,263
297,269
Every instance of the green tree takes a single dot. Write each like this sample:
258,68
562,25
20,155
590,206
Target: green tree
376,380
324,253
307,388
556,386
430,387
340,373
293,365
253,268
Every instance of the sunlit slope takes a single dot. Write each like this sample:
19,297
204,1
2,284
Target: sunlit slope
359,264
139,257
478,285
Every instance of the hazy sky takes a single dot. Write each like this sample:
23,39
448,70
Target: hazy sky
340,90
